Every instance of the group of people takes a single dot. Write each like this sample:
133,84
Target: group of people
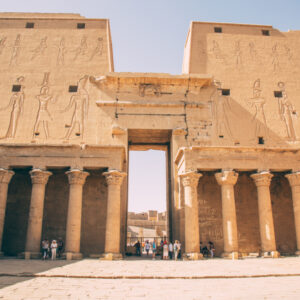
208,250
53,249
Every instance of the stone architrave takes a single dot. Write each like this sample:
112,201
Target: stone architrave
39,179
266,224
76,181
192,237
5,177
227,180
114,180
294,180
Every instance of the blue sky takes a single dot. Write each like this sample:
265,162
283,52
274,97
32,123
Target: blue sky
149,36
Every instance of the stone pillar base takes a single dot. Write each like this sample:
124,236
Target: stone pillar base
192,256
296,253
30,255
111,256
270,254
230,255
72,256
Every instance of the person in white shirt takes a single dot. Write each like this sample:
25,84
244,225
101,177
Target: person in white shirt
53,249
170,250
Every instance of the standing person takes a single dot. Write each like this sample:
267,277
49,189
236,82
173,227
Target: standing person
147,247
176,250
137,246
179,249
165,250
60,247
153,249
53,249
211,249
170,250
45,246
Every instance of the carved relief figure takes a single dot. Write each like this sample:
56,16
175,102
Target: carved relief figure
61,52
252,51
288,53
259,116
16,103
98,50
275,58
220,109
79,102
2,44
15,51
148,89
286,112
237,54
40,49
216,50
81,49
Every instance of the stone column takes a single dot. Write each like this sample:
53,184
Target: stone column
76,181
192,239
114,180
266,224
5,177
294,180
39,179
227,179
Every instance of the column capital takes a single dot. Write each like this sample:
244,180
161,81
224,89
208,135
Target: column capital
77,176
227,177
39,176
262,178
294,178
190,178
5,175
114,177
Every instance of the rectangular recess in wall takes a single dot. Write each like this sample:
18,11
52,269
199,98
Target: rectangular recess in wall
29,25
265,32
218,29
16,88
80,25
73,88
225,92
278,94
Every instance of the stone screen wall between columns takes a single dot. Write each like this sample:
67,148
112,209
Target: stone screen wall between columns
94,210
17,212
210,212
247,214
56,206
283,215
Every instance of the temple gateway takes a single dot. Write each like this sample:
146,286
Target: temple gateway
229,125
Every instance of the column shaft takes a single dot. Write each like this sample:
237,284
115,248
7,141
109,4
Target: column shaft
5,177
73,233
227,179
39,180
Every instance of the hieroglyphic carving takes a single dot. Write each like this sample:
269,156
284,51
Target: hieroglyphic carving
147,89
43,116
61,52
2,44
40,49
252,51
288,52
217,52
80,102
275,58
16,103
98,50
15,51
258,103
237,54
286,112
81,49
220,110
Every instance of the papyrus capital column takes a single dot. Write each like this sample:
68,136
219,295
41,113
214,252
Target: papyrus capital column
227,180
266,224
114,180
39,179
190,181
76,181
5,177
294,180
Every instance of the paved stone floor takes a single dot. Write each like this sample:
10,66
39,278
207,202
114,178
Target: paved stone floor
146,279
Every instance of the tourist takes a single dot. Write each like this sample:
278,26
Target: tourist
211,249
53,249
147,247
45,246
153,249
137,246
179,249
60,247
205,251
165,250
175,250
170,250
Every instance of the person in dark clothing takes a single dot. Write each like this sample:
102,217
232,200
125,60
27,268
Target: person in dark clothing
137,246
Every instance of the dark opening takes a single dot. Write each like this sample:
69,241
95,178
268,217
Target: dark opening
265,32
80,25
278,94
218,29
29,25
221,136
261,140
225,92
16,88
73,88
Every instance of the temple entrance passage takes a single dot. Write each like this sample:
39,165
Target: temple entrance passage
147,218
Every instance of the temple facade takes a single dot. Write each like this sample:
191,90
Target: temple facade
228,125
